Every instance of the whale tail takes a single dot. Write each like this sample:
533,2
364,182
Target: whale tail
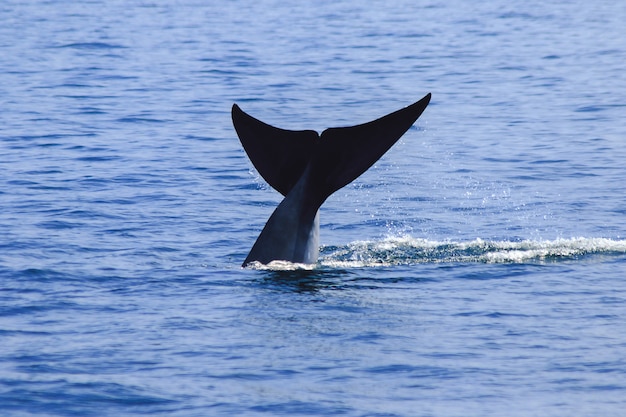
341,154
307,168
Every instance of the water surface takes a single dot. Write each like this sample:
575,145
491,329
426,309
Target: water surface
476,269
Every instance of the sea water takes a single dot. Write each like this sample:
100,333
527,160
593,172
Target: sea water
477,269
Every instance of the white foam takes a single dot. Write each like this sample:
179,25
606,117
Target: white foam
281,266
406,250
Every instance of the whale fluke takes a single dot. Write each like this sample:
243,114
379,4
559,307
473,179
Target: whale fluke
279,155
307,169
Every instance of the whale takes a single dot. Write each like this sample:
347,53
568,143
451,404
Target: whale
306,168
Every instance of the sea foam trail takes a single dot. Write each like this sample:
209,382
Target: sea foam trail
408,250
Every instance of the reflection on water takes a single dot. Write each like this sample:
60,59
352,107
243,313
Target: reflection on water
303,280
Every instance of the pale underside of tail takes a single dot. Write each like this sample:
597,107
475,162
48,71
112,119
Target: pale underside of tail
307,168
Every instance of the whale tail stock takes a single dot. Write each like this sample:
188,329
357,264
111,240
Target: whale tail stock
307,168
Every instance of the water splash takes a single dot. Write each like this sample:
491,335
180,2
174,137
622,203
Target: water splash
407,250
281,266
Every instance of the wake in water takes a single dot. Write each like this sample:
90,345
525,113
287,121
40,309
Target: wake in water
407,250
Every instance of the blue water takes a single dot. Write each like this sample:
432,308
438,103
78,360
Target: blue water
478,269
